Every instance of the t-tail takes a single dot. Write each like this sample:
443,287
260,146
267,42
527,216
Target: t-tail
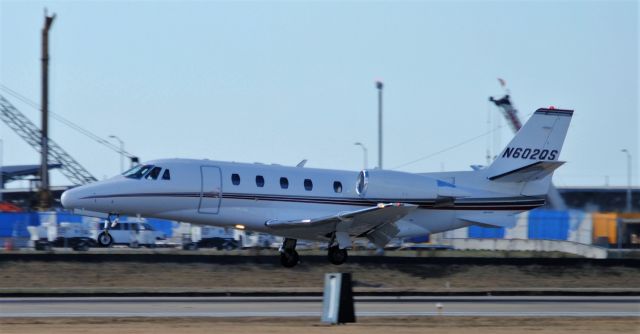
532,155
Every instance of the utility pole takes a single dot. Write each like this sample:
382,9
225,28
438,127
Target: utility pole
379,86
44,192
628,179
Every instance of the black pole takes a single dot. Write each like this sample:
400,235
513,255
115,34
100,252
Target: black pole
45,193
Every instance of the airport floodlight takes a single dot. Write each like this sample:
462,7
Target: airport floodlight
365,154
379,86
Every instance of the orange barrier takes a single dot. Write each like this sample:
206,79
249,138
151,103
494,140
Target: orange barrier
605,225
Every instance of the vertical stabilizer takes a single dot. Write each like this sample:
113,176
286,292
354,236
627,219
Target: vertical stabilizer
538,142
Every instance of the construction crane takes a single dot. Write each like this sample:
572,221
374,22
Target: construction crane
511,114
28,131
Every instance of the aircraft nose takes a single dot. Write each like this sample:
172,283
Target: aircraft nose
69,198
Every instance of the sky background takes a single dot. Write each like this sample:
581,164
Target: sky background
278,82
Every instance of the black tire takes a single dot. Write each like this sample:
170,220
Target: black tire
190,246
43,245
81,246
289,259
337,256
105,239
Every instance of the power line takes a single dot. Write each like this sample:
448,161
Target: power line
449,148
66,122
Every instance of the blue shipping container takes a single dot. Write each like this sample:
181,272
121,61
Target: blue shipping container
548,224
486,232
418,239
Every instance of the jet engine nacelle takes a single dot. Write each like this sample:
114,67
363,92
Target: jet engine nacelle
386,184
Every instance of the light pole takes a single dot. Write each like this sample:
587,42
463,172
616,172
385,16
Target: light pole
628,178
364,153
44,193
121,151
379,86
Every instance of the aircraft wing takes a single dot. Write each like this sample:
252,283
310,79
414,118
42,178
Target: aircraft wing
356,223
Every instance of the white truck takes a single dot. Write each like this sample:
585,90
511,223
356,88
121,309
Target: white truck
132,233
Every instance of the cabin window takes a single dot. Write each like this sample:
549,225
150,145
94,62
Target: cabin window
260,181
153,174
337,186
235,179
308,185
284,183
166,175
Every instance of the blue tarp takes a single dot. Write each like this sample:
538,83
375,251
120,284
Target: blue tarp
486,232
548,224
15,224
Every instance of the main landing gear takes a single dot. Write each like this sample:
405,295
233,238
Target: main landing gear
104,238
288,255
337,256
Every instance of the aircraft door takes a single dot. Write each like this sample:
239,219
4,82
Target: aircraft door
211,190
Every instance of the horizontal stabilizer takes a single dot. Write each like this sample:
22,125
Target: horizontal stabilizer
489,219
534,171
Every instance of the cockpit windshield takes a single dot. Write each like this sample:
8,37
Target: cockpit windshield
137,172
148,172
154,173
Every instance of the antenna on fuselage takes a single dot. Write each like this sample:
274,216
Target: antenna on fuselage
302,163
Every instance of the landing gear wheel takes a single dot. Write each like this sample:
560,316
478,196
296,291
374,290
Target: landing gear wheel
289,259
105,239
337,256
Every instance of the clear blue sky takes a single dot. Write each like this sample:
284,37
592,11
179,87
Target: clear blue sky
283,81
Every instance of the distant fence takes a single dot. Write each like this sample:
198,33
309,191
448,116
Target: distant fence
602,229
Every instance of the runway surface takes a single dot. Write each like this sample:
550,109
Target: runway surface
312,306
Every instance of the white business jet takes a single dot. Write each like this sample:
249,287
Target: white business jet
334,206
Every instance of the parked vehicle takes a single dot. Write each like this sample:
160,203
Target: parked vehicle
78,236
134,234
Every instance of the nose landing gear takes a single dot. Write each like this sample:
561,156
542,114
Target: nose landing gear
104,238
